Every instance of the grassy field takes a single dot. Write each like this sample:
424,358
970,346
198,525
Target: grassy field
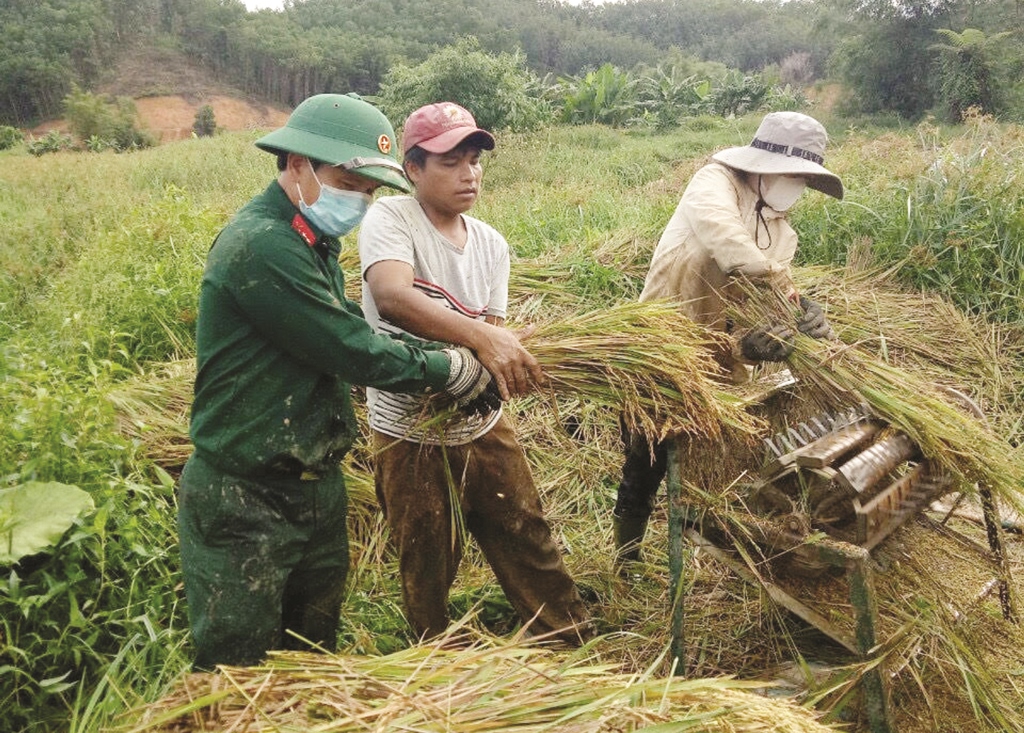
101,258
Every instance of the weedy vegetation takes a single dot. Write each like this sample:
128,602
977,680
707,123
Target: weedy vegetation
100,260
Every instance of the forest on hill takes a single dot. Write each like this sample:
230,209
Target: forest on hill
898,56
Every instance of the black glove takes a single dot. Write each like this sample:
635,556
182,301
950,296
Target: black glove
467,378
812,322
484,403
773,343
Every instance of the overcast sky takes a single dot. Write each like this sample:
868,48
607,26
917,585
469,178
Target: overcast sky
277,4
257,4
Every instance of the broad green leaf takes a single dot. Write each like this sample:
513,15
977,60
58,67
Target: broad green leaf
34,516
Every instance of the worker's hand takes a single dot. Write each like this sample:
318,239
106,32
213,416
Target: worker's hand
467,378
516,371
772,343
813,322
484,403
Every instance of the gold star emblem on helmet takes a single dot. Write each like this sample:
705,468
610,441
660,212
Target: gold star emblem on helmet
384,144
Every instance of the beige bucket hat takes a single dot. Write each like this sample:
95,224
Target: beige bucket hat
786,143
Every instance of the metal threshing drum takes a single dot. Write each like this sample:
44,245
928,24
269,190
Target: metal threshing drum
821,493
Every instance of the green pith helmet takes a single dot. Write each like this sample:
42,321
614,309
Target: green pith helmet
341,130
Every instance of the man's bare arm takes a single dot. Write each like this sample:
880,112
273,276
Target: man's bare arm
514,369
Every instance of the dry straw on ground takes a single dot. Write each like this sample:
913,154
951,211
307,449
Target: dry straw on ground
153,409
482,686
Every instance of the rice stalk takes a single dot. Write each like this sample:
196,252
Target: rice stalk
916,330
925,334
846,373
153,409
645,361
466,683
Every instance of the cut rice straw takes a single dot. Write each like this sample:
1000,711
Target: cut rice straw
846,374
480,687
645,360
918,331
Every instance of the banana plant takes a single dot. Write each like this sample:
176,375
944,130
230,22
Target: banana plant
606,96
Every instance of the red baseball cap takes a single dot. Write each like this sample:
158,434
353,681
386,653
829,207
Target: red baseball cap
437,128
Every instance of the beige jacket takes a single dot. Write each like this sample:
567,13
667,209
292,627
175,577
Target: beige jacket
714,235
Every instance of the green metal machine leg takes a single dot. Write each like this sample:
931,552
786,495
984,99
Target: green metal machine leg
676,516
862,596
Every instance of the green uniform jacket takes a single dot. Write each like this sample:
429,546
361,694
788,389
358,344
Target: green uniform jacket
279,346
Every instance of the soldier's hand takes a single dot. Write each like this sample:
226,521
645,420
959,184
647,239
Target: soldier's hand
467,378
484,403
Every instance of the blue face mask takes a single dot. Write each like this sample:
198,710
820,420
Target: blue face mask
335,212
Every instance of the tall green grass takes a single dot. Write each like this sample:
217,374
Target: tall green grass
100,260
942,209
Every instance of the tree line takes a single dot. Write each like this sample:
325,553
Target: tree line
906,57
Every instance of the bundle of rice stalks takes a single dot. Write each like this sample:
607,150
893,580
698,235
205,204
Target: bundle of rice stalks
154,409
645,360
845,374
918,331
478,688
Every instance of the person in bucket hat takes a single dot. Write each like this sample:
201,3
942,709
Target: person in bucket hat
262,503
434,271
730,224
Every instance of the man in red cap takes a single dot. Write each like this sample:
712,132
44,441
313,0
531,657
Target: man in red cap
432,271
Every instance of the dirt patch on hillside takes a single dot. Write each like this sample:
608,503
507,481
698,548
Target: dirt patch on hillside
169,88
171,117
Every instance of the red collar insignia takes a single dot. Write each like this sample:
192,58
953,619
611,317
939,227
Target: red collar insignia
301,226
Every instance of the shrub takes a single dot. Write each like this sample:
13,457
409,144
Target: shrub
786,97
671,91
499,90
10,136
737,94
96,144
968,69
205,124
797,68
52,142
101,124
607,96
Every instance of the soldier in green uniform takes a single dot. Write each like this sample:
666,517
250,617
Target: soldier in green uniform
262,504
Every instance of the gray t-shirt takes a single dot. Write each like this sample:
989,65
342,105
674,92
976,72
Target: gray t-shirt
472,281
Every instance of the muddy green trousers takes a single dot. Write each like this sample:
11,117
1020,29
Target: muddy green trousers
485,486
261,558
